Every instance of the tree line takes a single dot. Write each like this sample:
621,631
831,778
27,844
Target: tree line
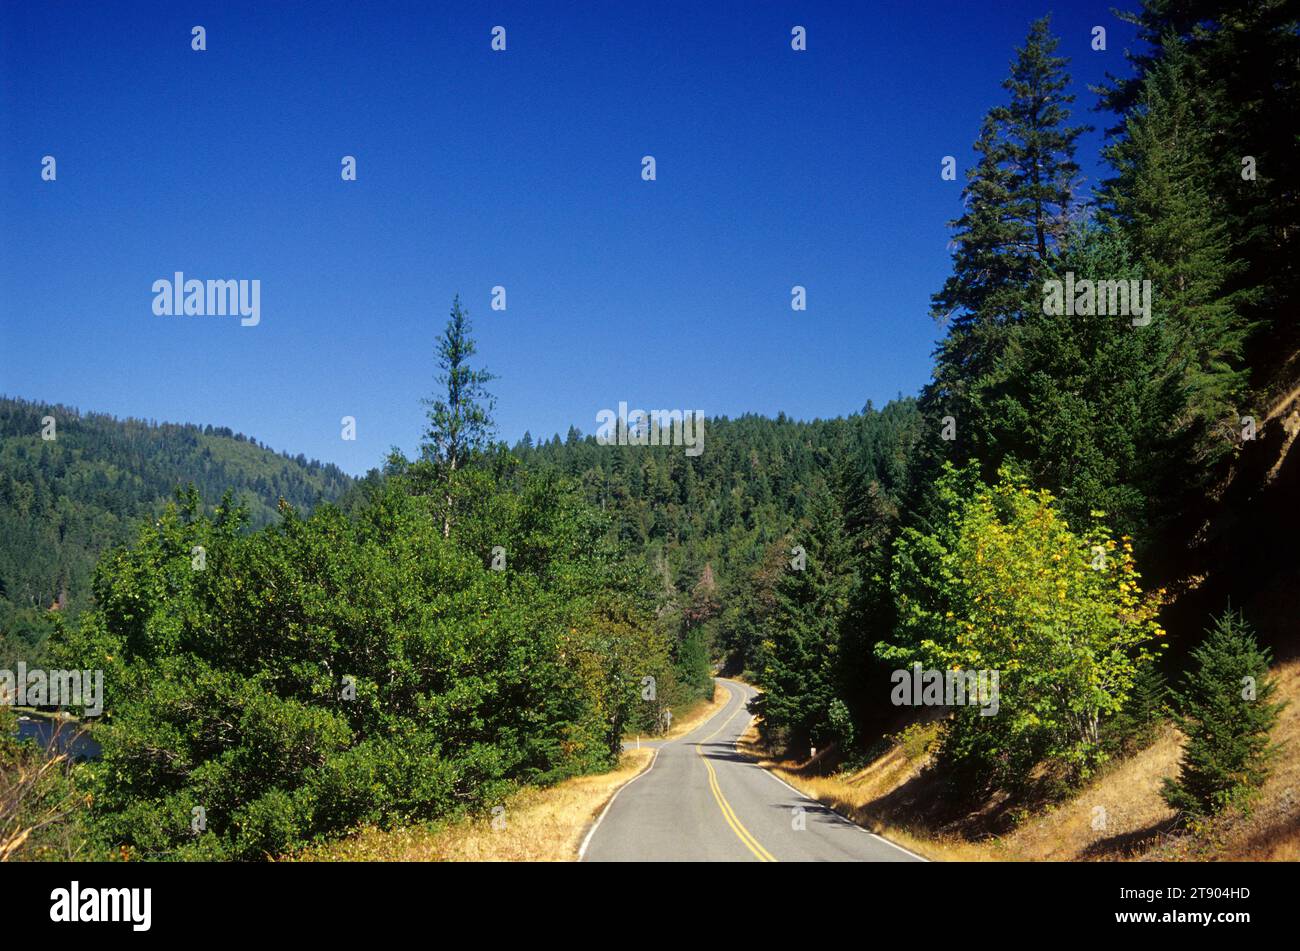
478,617
459,626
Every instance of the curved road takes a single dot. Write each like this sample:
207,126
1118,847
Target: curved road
702,801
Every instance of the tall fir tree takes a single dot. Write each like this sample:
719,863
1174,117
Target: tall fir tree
1243,61
1018,203
1087,406
1162,197
800,649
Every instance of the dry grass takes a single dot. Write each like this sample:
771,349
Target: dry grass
855,794
898,797
41,811
538,825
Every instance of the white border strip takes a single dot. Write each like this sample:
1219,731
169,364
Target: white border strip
839,815
817,802
582,849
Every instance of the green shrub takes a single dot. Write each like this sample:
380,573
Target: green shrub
340,670
1002,583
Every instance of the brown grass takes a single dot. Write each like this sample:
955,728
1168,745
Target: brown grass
538,825
899,797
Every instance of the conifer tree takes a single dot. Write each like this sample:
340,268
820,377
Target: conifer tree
460,425
1243,61
1018,200
1225,708
1134,726
1162,197
801,642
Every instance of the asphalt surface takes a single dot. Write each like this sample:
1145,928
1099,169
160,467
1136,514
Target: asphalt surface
702,801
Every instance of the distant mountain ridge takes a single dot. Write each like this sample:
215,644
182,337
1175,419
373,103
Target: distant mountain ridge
65,500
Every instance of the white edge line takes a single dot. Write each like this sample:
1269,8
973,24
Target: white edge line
839,815
582,849
817,802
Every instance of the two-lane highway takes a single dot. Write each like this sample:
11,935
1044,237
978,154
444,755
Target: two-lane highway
702,801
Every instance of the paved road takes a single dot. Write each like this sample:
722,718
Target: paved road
702,801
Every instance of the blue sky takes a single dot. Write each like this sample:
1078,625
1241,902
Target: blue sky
478,168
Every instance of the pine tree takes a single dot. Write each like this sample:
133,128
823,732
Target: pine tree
1162,198
1243,59
1089,406
1134,726
461,424
1225,709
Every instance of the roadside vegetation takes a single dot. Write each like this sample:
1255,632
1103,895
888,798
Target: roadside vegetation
43,806
1090,508
1120,814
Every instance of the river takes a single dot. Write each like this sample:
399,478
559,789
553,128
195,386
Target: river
63,732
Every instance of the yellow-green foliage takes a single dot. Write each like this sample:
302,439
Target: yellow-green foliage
917,739
1004,584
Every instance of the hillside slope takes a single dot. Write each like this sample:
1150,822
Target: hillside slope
1119,815
65,500
1240,553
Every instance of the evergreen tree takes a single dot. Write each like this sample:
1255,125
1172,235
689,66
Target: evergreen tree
461,424
1134,726
1089,406
1225,709
1243,61
801,643
1162,197
1018,200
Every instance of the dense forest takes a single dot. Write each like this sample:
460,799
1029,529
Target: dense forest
74,485
717,528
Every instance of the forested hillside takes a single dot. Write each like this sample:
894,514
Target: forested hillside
66,499
1092,505
715,527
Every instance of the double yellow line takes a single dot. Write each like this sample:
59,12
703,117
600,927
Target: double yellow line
729,814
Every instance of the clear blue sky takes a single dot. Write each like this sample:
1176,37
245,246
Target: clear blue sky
478,168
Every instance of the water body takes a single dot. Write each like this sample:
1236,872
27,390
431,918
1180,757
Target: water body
63,733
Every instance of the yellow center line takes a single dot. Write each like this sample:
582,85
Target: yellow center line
729,814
